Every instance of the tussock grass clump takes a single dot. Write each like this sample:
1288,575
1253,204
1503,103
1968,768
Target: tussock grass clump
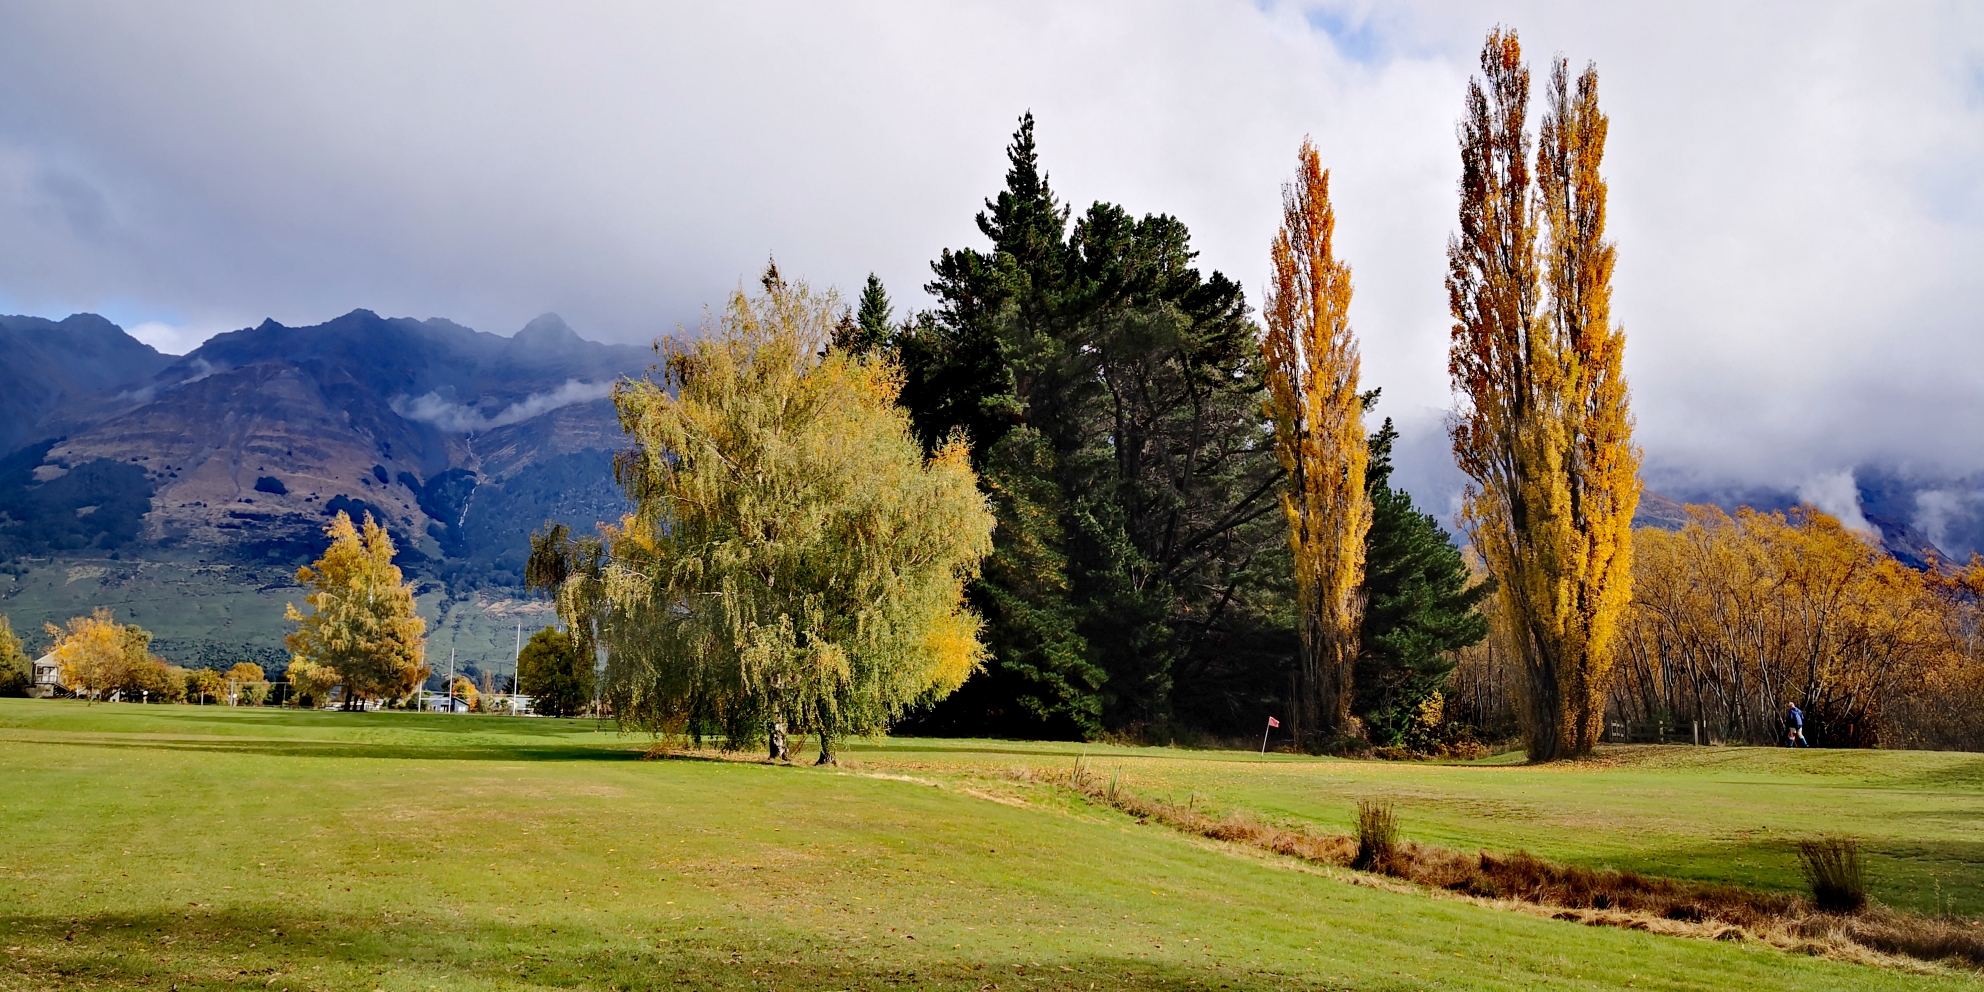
1377,836
1832,869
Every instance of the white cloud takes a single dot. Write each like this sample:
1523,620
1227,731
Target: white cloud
170,338
1795,188
459,418
1835,493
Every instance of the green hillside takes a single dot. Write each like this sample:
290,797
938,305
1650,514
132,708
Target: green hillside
216,613
205,848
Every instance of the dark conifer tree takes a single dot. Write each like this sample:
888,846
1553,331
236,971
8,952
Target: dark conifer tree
1419,607
1110,393
867,328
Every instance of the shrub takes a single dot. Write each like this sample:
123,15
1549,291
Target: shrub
1377,835
1832,869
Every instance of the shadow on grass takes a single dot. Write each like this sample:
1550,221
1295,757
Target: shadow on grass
271,717
201,948
354,749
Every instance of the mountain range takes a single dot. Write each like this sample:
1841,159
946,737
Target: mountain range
461,442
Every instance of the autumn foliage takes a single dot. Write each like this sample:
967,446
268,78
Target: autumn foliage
794,562
362,623
1311,371
1735,617
1544,431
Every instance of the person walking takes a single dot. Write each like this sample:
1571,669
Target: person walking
1794,727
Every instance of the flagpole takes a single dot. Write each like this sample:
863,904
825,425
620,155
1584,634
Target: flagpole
1264,736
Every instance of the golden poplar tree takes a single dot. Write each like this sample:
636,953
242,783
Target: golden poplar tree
1311,368
1545,432
362,621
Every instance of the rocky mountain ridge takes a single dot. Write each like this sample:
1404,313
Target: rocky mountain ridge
459,440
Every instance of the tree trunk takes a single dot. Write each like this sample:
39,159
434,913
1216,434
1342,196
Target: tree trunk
781,749
826,749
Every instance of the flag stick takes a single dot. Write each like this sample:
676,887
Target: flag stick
1264,737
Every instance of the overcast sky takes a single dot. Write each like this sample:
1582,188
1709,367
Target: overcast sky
1797,190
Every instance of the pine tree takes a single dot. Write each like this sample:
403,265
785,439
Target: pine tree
867,328
1311,370
1118,432
1419,606
1546,434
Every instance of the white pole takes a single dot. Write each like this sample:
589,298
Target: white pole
1264,738
516,669
451,680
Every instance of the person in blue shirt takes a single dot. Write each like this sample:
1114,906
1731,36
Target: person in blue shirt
1794,727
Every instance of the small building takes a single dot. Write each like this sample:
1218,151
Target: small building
47,678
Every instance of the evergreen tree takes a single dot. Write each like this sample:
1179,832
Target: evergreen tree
867,329
1110,393
1419,608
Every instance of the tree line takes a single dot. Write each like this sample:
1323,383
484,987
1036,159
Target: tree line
1162,518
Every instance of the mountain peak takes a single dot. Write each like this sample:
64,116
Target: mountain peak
547,330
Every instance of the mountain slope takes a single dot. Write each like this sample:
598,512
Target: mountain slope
49,362
460,441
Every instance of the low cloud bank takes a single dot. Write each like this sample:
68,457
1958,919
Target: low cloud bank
459,418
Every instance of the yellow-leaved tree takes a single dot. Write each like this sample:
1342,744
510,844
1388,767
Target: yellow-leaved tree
310,681
1544,430
794,562
1311,368
361,621
97,654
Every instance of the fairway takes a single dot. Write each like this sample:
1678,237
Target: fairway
154,847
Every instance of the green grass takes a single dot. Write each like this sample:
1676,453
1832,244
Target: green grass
153,847
1709,814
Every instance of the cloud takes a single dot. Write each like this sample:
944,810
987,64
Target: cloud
1797,190
458,418
169,338
1939,512
1836,493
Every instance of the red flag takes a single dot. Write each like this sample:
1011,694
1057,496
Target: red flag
1272,722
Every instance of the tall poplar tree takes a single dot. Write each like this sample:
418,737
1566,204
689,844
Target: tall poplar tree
1545,434
1311,369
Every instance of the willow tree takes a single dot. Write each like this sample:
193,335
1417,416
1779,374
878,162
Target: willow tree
1545,431
1311,368
794,561
362,621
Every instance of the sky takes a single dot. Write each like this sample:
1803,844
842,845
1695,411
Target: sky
1797,189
